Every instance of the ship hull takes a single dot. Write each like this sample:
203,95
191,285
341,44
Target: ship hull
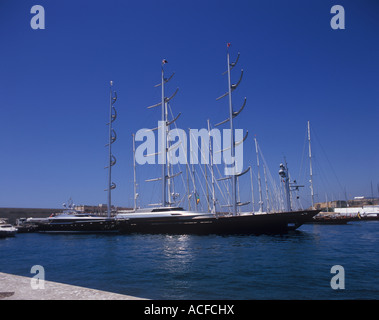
270,223
96,226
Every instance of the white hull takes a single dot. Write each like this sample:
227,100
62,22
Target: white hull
6,230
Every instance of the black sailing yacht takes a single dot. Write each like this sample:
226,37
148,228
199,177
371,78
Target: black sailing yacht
176,220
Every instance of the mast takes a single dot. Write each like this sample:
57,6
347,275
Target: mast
259,178
310,165
212,172
234,198
327,204
134,173
252,188
194,187
112,138
188,186
206,186
267,196
372,193
193,175
163,129
163,142
232,114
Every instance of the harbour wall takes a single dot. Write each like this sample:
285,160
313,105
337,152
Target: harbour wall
13,287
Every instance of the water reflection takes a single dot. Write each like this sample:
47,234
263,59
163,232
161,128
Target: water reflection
294,265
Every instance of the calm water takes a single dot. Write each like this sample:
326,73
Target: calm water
292,266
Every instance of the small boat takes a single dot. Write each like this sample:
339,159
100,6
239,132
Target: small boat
6,229
24,225
330,219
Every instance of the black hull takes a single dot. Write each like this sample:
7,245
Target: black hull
272,223
98,226
27,229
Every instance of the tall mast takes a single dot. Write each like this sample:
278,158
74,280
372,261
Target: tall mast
212,172
206,186
252,189
163,142
232,114
267,196
259,178
310,165
163,134
188,186
134,173
112,138
234,197
193,175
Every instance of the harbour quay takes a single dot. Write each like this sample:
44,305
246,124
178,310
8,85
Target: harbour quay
13,287
12,214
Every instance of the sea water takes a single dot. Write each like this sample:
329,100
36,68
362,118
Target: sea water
296,265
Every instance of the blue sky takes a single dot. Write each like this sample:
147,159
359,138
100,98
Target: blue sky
54,90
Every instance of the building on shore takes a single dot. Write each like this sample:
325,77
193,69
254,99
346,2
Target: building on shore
353,203
12,214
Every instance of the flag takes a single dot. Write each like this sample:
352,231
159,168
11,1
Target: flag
197,198
228,45
164,61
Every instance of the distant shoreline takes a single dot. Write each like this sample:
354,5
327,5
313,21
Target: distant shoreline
12,214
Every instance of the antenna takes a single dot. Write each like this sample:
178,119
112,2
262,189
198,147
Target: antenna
288,186
283,172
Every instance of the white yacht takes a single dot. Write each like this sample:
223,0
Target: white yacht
6,229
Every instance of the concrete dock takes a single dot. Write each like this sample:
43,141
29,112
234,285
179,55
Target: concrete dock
14,287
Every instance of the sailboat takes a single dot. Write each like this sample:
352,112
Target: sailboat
176,220
162,217
71,220
322,217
